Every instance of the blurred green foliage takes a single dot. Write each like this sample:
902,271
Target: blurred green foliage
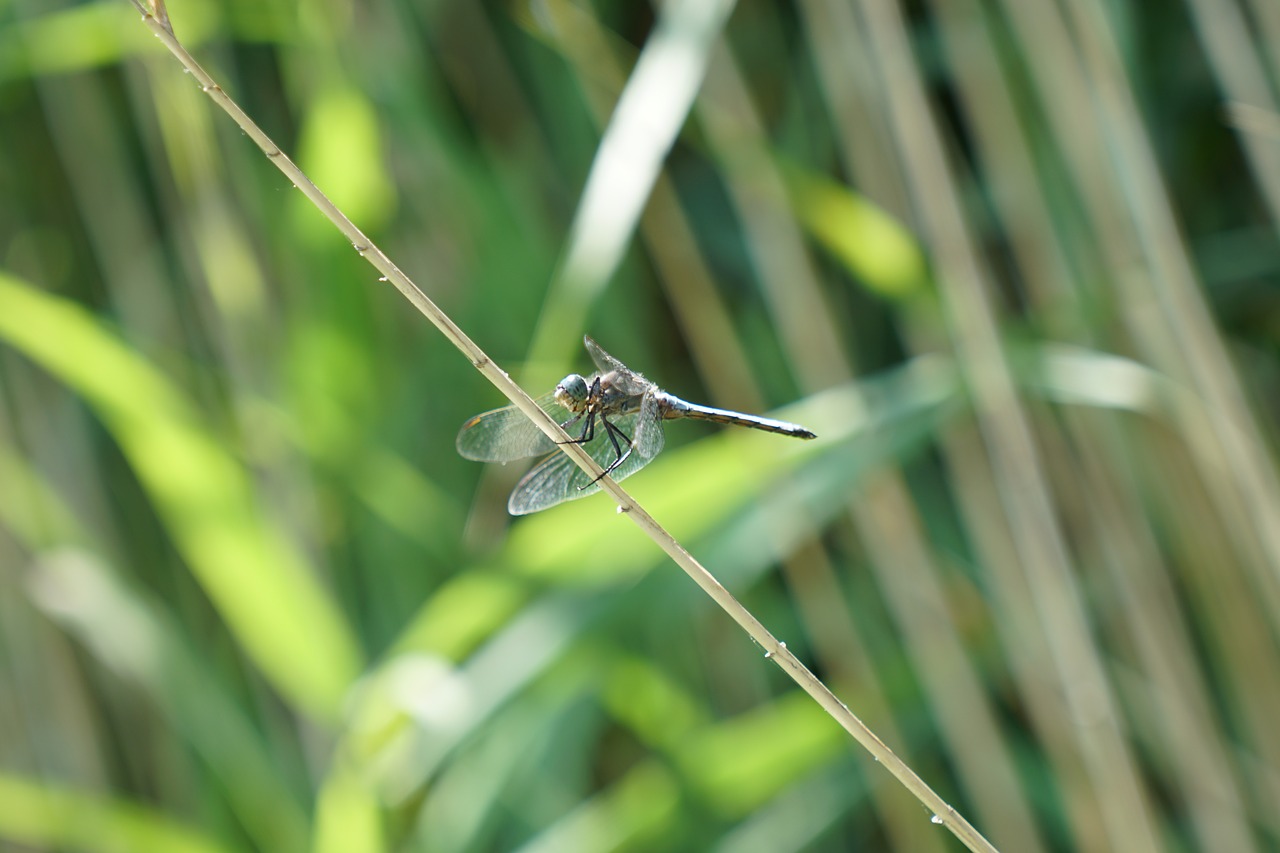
1014,261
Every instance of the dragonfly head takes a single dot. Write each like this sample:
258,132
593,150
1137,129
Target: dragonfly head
572,392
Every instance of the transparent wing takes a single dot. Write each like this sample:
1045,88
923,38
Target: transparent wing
557,478
505,434
649,437
603,360
621,377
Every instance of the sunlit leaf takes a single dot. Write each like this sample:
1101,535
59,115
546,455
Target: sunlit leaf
37,815
253,574
871,244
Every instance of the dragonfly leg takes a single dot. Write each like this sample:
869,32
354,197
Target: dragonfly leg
588,429
614,432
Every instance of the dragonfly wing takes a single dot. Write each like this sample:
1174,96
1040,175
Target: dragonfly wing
621,377
558,478
552,481
648,437
505,434
603,360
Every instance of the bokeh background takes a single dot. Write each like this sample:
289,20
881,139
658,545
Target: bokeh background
1015,261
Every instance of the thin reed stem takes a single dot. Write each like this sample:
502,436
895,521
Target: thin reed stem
156,18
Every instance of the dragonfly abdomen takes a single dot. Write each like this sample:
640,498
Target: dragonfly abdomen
674,407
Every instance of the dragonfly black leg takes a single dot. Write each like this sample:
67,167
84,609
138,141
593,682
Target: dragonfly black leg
614,432
588,429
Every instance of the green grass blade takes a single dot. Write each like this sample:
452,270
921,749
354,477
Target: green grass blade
253,574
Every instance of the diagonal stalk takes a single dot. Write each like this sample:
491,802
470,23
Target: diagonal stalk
156,19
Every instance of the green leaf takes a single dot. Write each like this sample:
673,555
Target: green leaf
866,240
341,150
348,817
740,763
253,574
133,636
41,816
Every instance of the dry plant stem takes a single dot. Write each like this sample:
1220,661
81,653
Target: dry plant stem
156,18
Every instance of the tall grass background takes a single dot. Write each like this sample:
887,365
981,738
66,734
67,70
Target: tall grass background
1015,262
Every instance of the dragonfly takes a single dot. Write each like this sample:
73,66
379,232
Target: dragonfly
615,414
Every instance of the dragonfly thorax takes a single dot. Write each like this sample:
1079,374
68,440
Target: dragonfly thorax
572,392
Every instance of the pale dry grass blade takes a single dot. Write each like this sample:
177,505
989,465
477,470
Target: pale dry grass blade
1018,472
642,127
883,514
1242,76
702,313
1104,489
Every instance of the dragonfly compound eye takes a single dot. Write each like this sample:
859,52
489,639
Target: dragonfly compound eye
572,389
